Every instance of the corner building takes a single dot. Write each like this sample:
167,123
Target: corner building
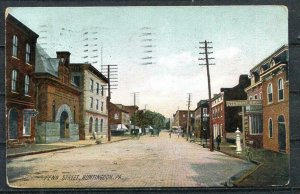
275,87
20,87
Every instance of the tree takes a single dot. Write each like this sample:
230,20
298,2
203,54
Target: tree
148,118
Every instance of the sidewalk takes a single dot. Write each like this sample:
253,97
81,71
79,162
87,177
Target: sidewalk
44,148
272,168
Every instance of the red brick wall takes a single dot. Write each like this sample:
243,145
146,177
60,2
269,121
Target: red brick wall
17,99
273,110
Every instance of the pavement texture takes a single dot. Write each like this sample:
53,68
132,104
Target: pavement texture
157,161
31,149
272,168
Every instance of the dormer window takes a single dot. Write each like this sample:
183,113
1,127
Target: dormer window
272,63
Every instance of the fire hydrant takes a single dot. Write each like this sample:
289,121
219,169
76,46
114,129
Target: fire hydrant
238,141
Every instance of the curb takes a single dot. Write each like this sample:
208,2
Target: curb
248,173
38,152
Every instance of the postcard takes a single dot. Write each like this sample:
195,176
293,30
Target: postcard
147,97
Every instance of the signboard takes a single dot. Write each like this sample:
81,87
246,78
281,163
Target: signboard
243,102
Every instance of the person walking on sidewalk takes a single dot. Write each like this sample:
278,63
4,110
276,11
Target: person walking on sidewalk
170,133
218,139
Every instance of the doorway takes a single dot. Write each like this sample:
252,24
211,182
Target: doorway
281,134
13,124
64,125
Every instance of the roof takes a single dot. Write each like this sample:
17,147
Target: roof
21,26
92,69
44,63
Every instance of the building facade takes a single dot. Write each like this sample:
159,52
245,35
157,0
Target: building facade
20,86
201,124
181,118
254,112
93,100
225,120
275,87
57,98
118,115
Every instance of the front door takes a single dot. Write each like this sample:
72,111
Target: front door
281,134
13,124
64,125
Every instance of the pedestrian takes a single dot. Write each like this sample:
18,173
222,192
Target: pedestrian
218,139
178,134
170,134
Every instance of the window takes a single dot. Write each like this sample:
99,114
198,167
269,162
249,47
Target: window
14,79
116,116
280,90
15,46
74,112
183,115
255,96
91,104
26,124
101,125
250,97
91,85
97,104
255,124
76,80
26,86
270,93
97,88
102,90
27,55
102,106
270,128
204,110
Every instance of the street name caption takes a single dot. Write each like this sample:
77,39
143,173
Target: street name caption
77,177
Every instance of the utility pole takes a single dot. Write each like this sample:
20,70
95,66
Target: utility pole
188,117
206,58
110,71
134,113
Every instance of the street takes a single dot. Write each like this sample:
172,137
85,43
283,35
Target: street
145,162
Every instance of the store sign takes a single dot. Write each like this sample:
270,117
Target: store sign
233,103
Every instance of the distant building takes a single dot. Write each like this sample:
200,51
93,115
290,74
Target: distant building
202,119
57,98
130,109
225,120
20,48
181,118
118,115
93,109
275,95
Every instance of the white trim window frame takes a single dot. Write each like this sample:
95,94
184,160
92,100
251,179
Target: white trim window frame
270,128
27,54
26,85
280,90
15,46
270,93
14,80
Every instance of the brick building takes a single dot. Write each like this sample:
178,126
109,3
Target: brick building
275,91
130,109
57,98
254,112
180,119
20,87
201,124
225,120
93,109
117,116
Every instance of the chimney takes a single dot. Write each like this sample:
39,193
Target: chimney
64,56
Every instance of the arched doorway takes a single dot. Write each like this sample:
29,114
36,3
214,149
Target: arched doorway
281,134
96,125
91,125
64,125
13,124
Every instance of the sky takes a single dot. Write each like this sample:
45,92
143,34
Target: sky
167,40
